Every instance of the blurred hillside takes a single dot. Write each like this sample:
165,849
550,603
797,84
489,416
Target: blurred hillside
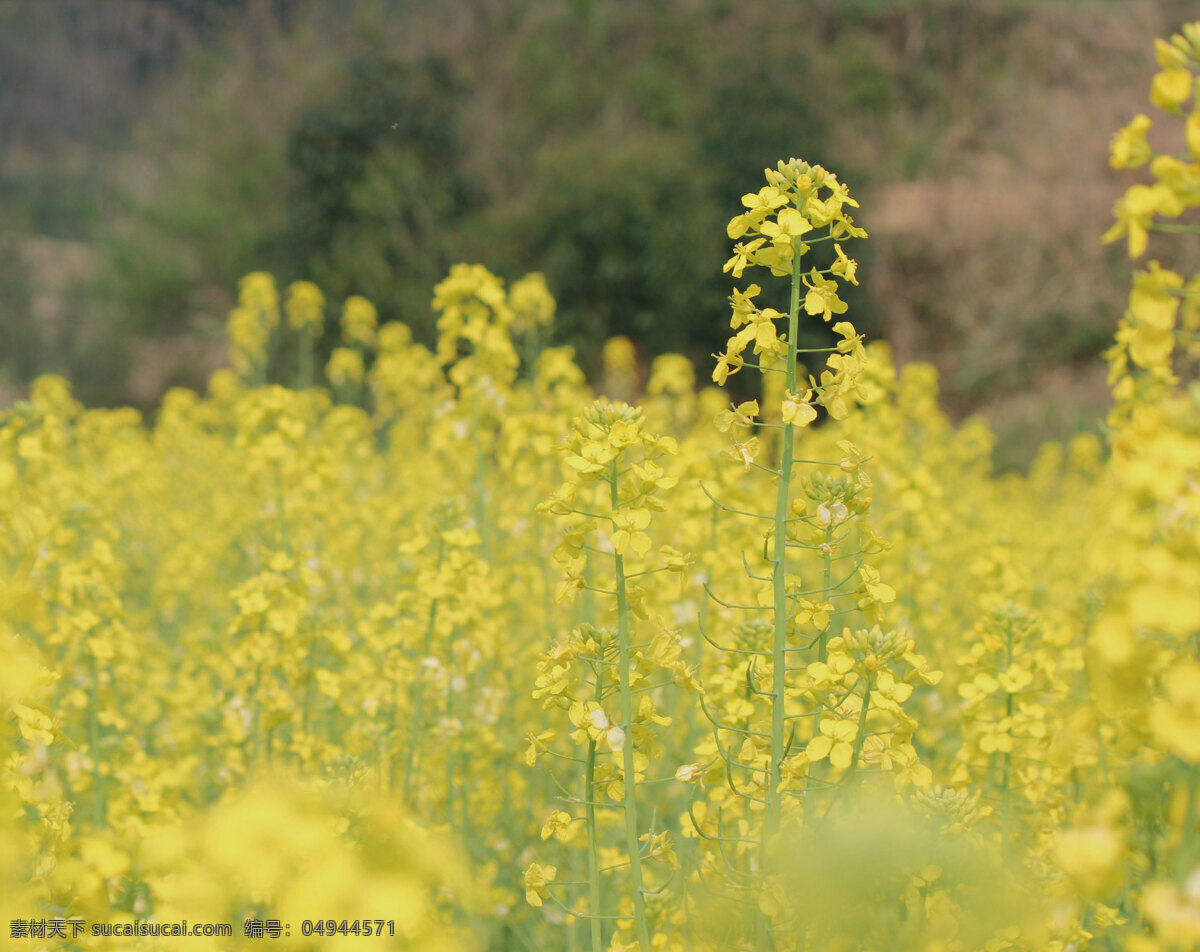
153,151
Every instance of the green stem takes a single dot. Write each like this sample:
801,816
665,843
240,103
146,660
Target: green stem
710,569
306,373
779,586
593,847
419,701
826,584
817,770
257,724
99,806
310,683
481,506
1005,820
1188,848
630,784
387,750
860,735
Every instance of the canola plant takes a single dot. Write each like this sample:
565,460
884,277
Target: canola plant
458,651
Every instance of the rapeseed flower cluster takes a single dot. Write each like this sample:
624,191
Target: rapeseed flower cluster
446,637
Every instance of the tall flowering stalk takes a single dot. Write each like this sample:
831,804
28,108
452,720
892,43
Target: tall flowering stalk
306,315
1144,653
250,326
841,693
608,499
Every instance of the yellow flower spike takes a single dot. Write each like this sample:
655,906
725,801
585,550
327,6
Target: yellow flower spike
359,321
345,367
257,291
531,303
305,306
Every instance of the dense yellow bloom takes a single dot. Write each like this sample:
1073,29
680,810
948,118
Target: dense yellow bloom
531,303
345,366
1176,717
821,622
305,306
359,321
1091,856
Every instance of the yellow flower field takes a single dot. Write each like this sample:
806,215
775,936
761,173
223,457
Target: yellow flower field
461,651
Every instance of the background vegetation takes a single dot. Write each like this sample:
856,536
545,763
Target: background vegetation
156,150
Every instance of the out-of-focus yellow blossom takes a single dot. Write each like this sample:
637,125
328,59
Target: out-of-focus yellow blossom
824,622
305,306
359,321
1175,717
345,366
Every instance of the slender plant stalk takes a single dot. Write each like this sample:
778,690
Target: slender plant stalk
481,501
307,371
779,585
860,735
257,736
419,702
631,821
1006,819
593,849
826,584
823,637
100,808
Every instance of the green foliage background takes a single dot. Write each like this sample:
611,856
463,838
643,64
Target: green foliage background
159,150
